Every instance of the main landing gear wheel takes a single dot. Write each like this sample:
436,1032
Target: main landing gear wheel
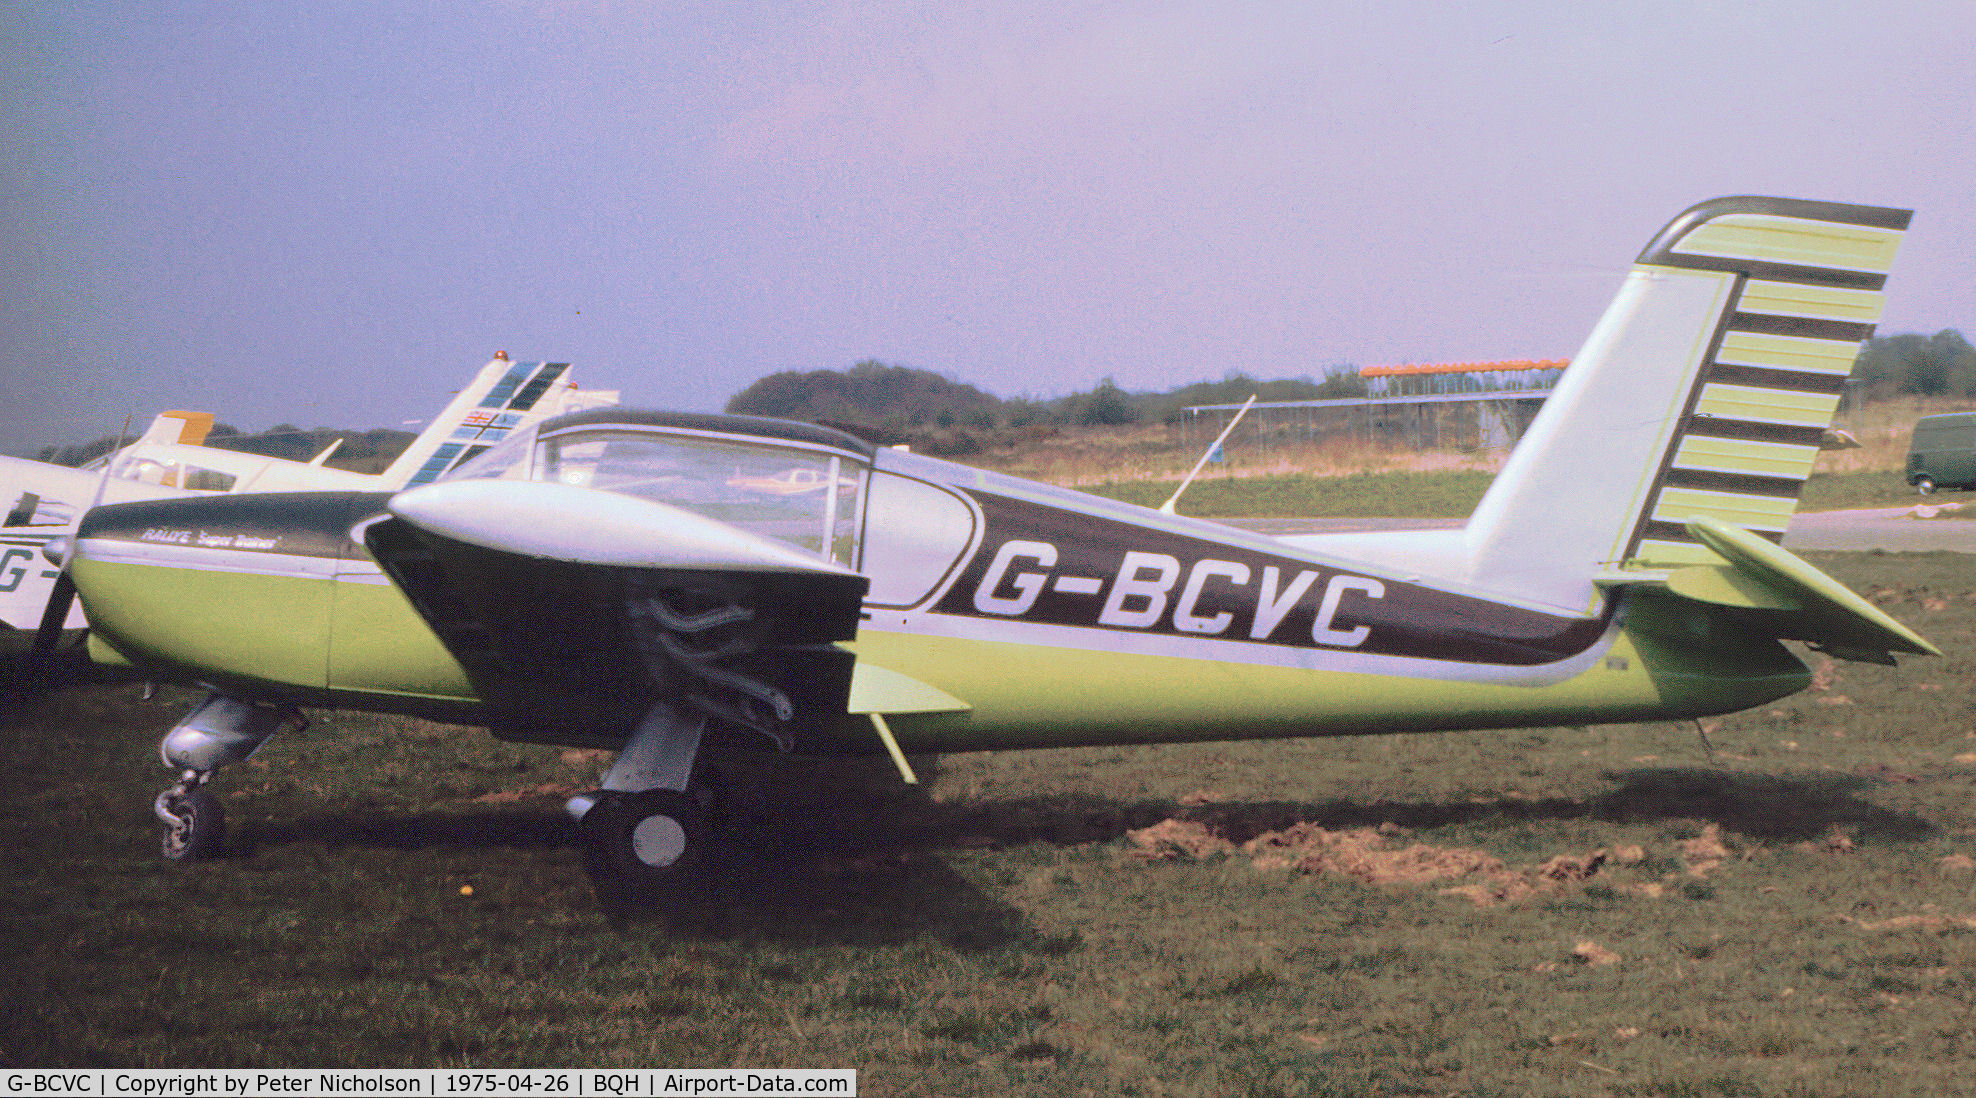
644,842
1925,486
195,825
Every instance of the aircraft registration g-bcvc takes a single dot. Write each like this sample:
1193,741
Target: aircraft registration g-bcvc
646,580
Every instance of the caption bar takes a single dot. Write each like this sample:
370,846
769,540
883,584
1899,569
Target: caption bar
530,1083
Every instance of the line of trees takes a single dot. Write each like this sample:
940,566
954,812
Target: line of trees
362,451
893,404
1943,364
934,413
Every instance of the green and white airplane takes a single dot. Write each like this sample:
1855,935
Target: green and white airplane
649,581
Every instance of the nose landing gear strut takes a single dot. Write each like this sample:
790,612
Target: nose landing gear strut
645,832
218,731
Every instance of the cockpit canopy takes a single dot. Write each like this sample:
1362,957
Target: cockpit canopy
793,482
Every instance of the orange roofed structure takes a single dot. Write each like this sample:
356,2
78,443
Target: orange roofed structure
1505,366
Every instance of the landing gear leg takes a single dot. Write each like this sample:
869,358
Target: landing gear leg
218,731
645,831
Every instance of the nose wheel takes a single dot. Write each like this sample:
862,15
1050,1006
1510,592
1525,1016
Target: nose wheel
195,824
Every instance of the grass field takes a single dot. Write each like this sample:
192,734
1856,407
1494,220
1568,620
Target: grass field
1343,476
1080,457
1447,493
1794,913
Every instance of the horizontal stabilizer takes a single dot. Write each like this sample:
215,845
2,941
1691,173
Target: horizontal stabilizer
1785,595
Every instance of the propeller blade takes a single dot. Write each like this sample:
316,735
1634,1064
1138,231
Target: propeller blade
103,482
55,613
24,508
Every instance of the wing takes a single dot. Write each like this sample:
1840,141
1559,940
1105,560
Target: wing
573,610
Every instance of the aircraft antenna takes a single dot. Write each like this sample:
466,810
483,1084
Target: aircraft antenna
1167,507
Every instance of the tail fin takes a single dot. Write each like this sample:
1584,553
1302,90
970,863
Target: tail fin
183,428
1702,394
504,396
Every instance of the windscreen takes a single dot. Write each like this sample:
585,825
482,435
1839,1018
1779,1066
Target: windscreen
171,474
506,460
806,498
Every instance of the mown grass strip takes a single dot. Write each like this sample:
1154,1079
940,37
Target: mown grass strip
1359,495
1444,494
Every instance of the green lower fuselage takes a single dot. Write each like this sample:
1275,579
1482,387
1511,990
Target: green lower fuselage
299,613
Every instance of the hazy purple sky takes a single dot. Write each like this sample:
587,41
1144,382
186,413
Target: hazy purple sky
332,213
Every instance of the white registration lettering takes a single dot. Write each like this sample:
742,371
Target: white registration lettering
1150,591
1271,608
1027,584
1184,617
1323,632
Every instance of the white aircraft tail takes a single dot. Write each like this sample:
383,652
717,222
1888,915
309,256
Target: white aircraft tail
1702,394
504,396
182,428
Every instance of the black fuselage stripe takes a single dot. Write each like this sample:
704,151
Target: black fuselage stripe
1152,582
302,524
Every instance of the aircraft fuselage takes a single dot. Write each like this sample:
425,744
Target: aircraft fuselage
1057,618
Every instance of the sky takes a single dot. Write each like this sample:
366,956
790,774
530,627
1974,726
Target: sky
331,214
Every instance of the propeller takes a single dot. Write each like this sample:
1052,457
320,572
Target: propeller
55,613
62,596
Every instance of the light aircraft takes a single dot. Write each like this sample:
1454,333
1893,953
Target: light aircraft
638,581
168,461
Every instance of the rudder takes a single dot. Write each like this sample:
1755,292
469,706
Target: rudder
1702,393
1809,282
504,397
